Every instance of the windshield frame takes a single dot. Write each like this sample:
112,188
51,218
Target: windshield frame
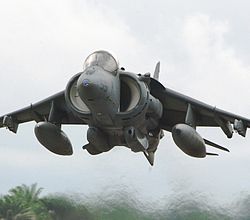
103,59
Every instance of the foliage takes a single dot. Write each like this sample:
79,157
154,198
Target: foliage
23,203
174,210
62,207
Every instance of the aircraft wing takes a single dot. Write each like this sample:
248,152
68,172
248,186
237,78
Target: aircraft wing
178,108
41,111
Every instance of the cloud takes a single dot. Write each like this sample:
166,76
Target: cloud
213,63
198,60
43,44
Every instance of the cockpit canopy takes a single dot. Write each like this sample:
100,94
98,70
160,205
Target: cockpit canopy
103,59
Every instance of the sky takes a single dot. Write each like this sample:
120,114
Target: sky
204,49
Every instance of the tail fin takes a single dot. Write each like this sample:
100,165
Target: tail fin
210,143
157,71
212,154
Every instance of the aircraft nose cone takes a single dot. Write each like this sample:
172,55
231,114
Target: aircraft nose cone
86,83
87,88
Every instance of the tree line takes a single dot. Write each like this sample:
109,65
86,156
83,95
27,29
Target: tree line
25,203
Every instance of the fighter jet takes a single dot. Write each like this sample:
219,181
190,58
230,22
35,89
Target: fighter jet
121,108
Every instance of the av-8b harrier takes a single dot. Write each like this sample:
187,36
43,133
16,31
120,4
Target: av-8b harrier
123,109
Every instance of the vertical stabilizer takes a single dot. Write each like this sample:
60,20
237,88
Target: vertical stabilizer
157,71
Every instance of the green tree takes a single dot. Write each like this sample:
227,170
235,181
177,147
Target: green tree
23,203
62,207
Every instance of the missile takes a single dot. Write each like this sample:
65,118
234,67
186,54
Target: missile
53,138
189,141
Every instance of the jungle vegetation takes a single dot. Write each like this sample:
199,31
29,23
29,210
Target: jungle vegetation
26,203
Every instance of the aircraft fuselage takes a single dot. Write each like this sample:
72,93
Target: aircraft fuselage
118,108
